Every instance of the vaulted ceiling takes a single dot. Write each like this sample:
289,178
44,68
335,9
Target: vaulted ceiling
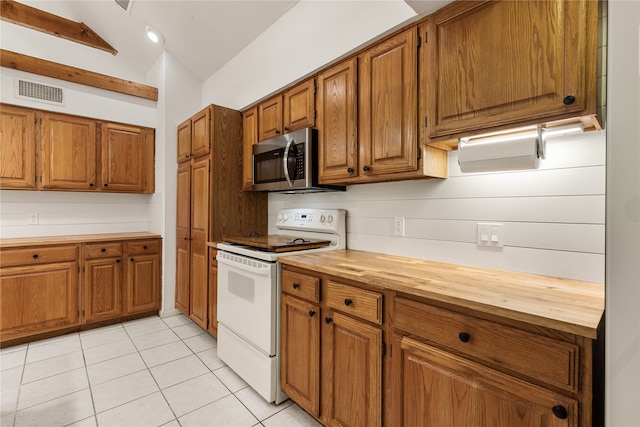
202,34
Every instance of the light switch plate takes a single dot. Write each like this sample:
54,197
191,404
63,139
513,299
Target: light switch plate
491,234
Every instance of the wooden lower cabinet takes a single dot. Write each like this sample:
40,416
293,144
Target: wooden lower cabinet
443,390
300,344
53,288
331,362
38,299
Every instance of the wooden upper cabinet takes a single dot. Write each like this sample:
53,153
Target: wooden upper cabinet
249,138
68,152
388,101
300,106
127,159
492,64
337,123
17,148
270,118
201,132
184,141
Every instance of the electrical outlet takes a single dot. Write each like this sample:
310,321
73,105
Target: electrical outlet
398,226
32,218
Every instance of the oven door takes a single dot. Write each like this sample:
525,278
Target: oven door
247,299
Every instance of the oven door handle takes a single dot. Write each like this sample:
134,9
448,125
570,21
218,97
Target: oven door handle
240,266
285,162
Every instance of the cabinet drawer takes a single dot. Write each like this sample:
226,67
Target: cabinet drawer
537,357
301,285
358,302
102,250
38,255
143,247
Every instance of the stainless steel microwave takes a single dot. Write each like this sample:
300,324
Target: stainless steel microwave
289,163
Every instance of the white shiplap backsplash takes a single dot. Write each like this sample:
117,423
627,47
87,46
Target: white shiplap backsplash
553,217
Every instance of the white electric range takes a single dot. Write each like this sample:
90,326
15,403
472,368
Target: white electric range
249,287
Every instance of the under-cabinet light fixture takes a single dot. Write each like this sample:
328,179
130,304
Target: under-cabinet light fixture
517,149
154,35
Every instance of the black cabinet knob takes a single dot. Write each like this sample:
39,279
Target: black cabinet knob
560,412
312,313
144,247
296,285
106,185
117,260
286,128
132,260
464,337
35,256
328,320
103,250
366,168
347,302
568,100
349,170
277,132
91,184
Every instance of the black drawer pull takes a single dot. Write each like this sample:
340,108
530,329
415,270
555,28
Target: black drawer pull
296,285
568,100
464,337
328,320
347,302
144,247
35,256
349,170
560,412
312,313
366,168
103,250
118,260
132,259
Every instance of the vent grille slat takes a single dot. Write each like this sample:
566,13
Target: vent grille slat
39,91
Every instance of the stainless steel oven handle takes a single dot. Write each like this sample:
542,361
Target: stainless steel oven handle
265,270
285,162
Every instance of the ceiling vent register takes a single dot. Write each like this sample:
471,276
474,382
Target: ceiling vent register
45,93
125,5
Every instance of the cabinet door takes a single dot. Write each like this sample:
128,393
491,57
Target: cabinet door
184,141
300,355
249,138
212,326
270,118
183,236
38,298
388,101
200,226
102,289
300,106
502,62
68,160
337,123
353,357
126,159
17,148
143,283
201,133
442,390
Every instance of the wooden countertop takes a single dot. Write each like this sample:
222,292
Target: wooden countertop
561,304
76,238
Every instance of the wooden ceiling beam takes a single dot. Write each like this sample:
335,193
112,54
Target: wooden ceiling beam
30,64
36,19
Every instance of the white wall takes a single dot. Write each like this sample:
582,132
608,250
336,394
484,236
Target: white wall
74,212
623,217
553,217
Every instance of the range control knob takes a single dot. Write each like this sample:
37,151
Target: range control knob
330,219
280,217
322,219
285,218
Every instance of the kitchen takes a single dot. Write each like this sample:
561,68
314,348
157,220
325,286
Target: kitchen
555,217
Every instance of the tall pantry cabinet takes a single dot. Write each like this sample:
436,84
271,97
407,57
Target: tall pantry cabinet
210,203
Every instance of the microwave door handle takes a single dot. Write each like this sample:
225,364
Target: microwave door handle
285,162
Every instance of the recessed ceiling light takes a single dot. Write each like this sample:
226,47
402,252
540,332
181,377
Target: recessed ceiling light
154,35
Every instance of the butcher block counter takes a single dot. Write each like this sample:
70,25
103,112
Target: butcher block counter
566,305
430,340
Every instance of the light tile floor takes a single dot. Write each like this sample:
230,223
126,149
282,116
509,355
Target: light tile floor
147,372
